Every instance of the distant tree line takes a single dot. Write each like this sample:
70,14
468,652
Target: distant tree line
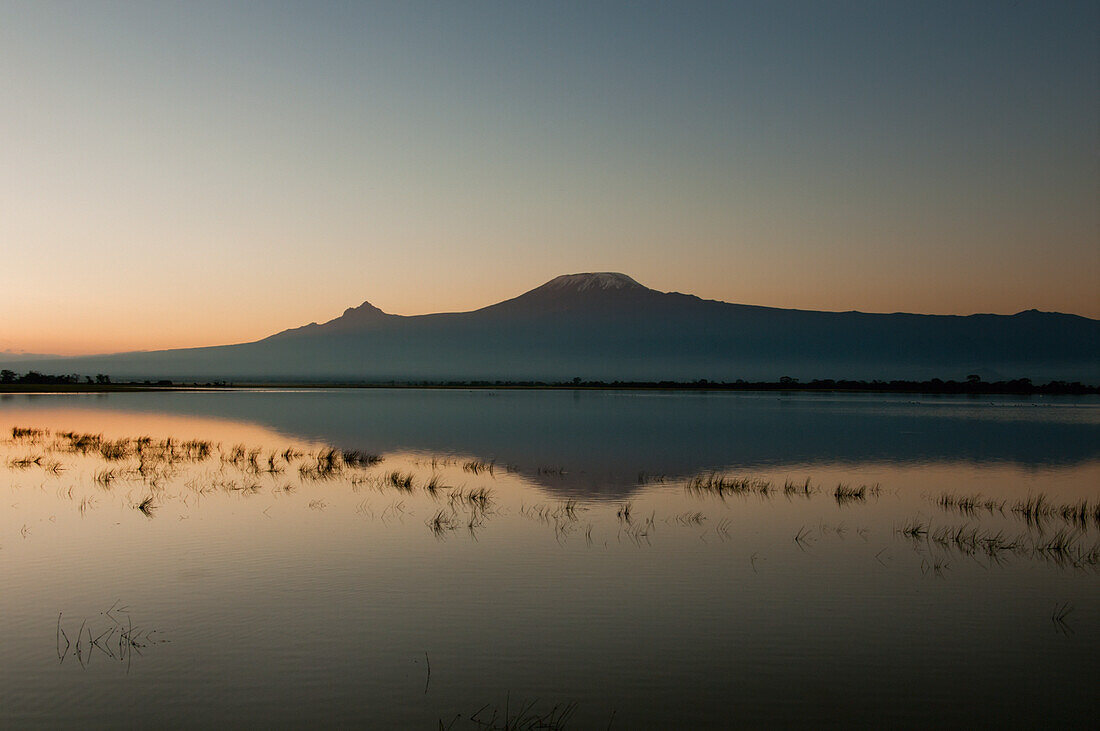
972,385
36,378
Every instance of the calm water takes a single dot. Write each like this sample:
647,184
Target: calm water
633,558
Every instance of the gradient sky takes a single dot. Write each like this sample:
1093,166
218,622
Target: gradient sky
196,173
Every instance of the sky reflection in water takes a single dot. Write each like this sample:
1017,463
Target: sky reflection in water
284,596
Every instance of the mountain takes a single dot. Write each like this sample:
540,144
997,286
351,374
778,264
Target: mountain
607,326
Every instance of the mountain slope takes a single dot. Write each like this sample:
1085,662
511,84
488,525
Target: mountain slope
608,326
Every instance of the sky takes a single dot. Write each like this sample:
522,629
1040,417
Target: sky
191,173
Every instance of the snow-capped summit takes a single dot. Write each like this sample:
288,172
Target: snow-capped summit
592,280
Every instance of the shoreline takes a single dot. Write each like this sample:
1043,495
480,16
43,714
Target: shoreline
942,388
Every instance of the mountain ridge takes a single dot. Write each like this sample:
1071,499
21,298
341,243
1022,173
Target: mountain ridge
600,289
608,326
591,281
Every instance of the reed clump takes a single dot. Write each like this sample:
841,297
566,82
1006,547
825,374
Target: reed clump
969,504
24,463
402,481
564,516
477,467
434,485
1034,509
196,450
329,462
805,489
27,433
971,540
1064,548
480,498
355,459
915,529
119,641
1059,615
720,486
326,464
442,523
521,718
844,494
1080,513
638,533
147,506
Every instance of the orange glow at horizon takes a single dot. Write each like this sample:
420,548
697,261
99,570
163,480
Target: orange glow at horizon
111,326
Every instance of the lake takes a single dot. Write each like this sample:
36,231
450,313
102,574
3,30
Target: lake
540,559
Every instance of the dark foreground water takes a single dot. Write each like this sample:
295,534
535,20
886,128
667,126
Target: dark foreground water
629,560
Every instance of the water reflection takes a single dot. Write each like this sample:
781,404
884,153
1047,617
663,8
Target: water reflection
585,442
155,471
306,579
